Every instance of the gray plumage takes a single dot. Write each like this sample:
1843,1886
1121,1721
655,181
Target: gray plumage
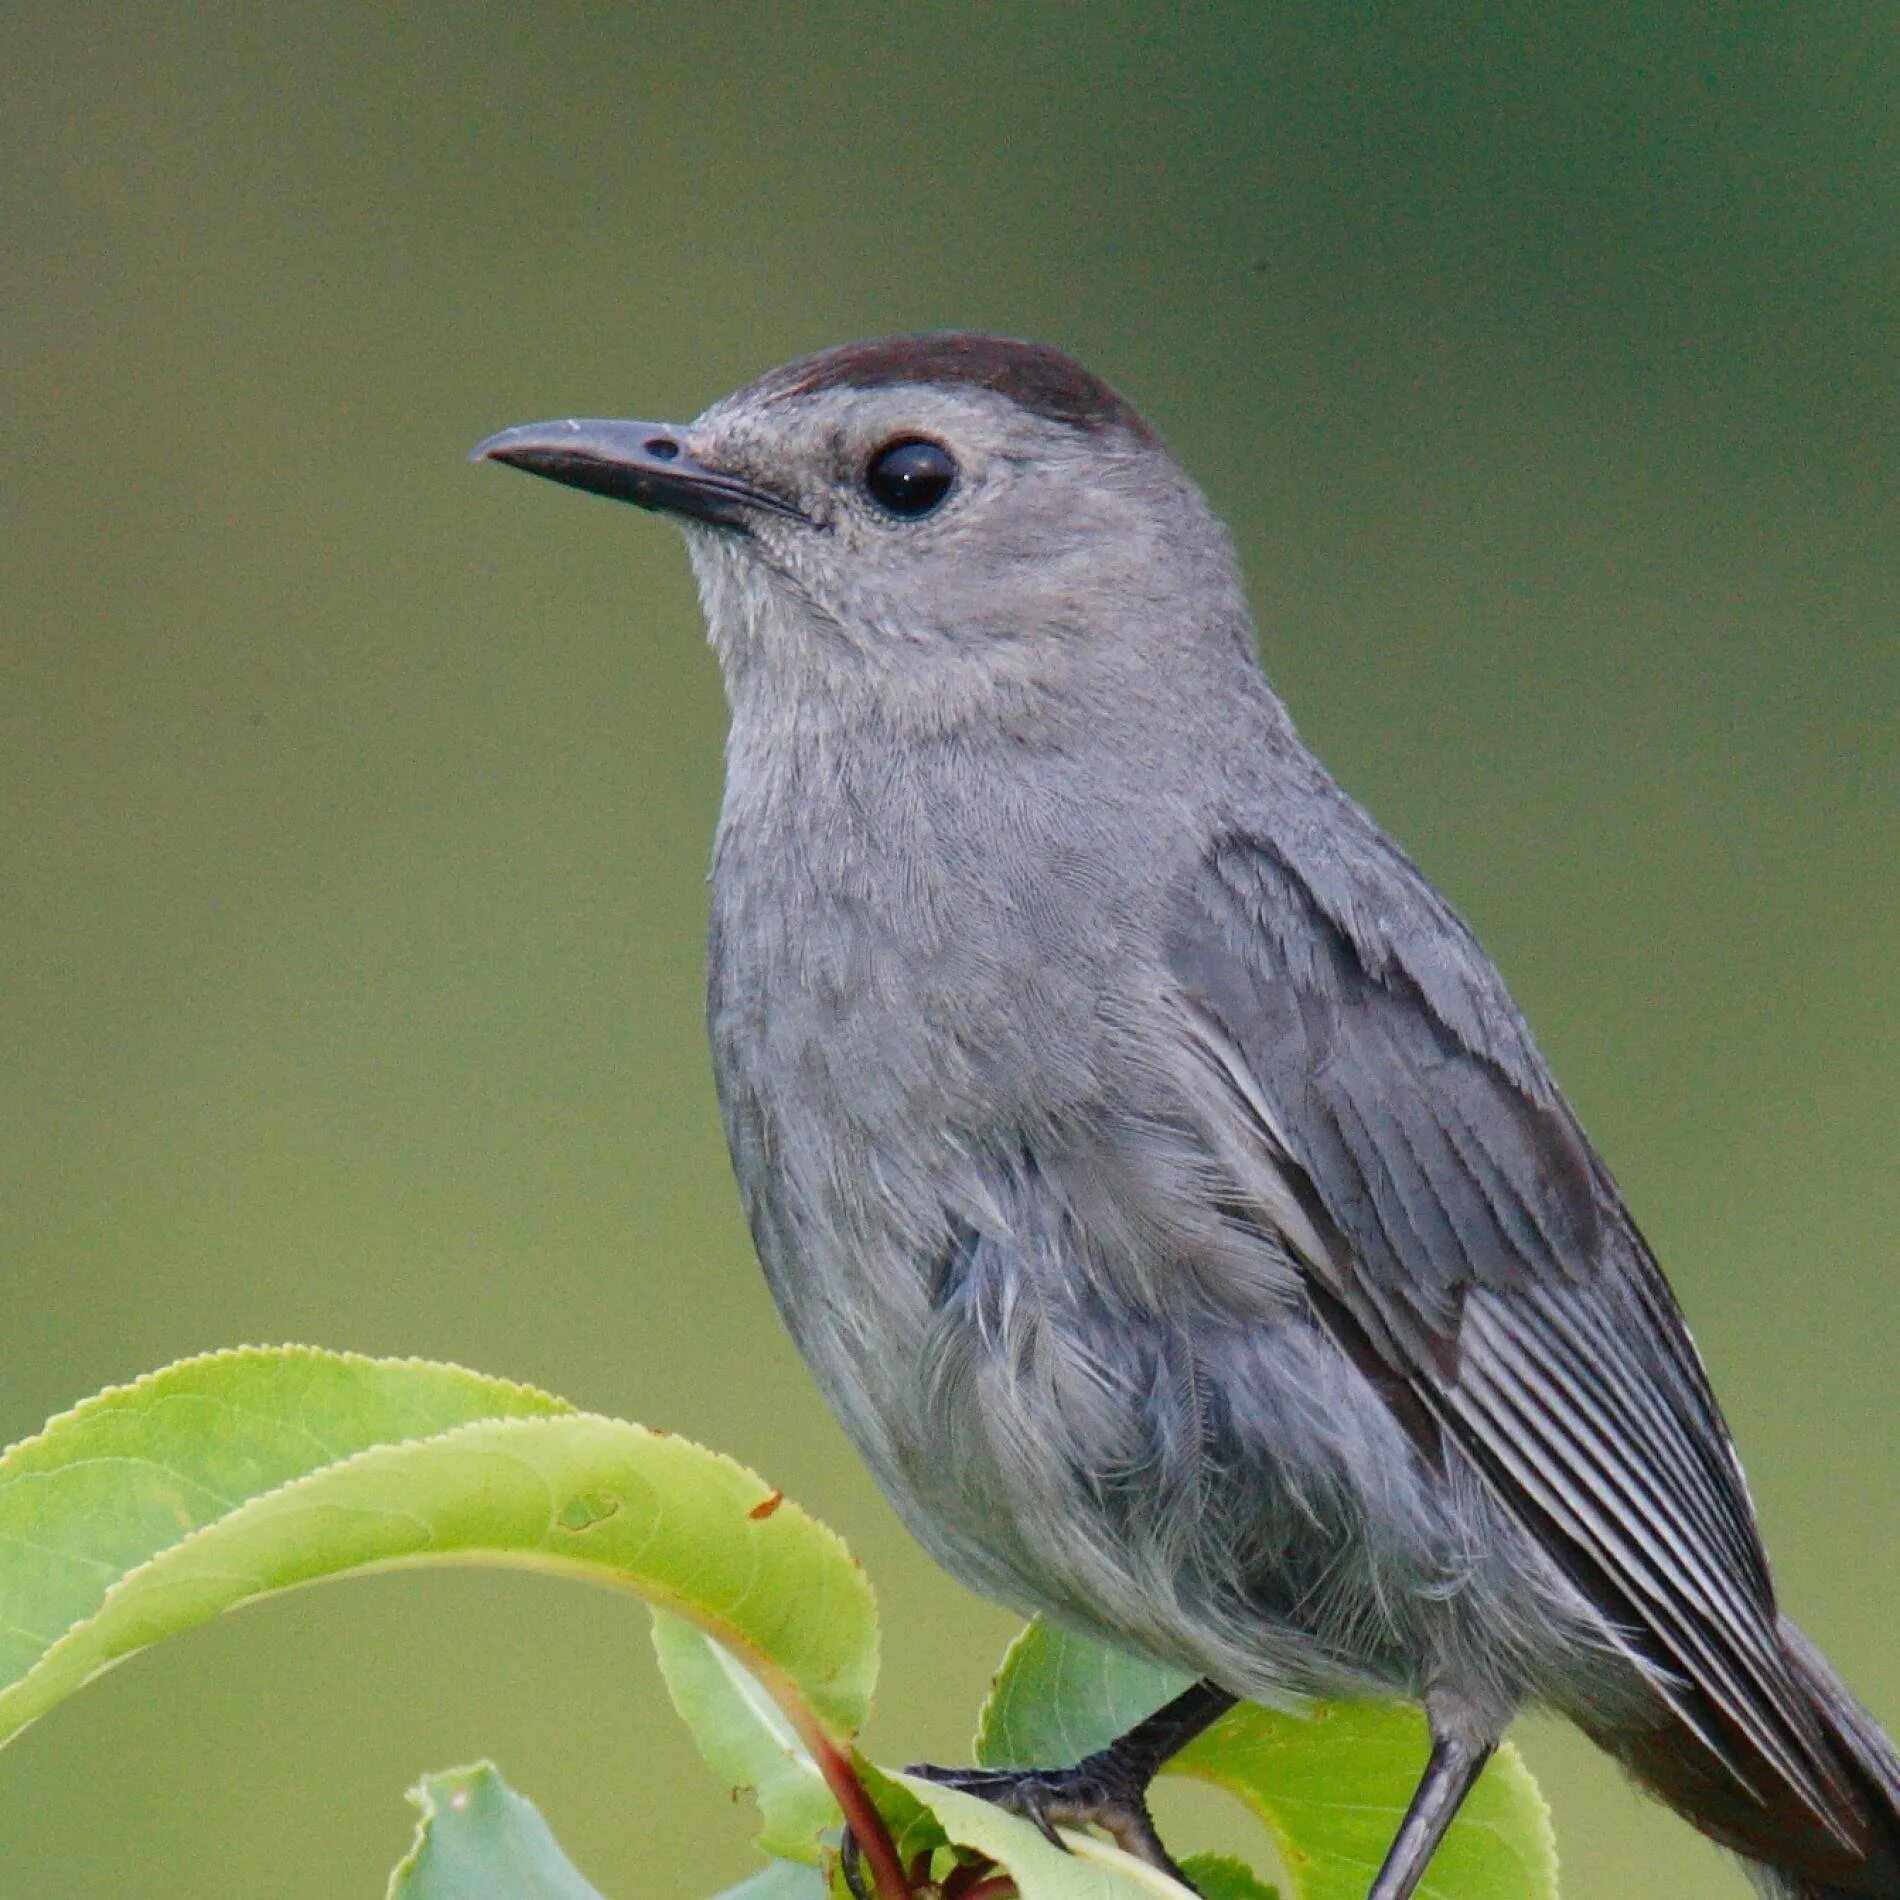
1151,1167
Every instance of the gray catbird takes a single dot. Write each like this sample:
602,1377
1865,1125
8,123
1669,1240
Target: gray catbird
1149,1164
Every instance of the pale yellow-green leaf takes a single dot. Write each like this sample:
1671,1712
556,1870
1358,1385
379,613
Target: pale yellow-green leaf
1092,1869
129,1473
150,1509
746,1739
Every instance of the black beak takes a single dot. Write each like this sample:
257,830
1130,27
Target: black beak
642,462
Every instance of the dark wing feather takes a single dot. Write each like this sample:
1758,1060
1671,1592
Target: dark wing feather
1459,1217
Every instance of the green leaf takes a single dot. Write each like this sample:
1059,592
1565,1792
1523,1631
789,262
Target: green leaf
914,1830
1331,1784
1058,1697
1220,1877
152,1508
125,1475
1092,1869
479,1840
746,1740
922,1815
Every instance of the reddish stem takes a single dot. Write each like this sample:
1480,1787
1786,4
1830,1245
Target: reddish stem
991,1889
862,1818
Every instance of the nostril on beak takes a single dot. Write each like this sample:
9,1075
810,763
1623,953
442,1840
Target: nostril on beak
662,448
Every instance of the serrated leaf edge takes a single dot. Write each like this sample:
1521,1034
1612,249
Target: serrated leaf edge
422,1798
291,1351
811,1730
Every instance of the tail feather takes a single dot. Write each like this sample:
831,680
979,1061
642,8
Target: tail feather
1871,1771
1853,1855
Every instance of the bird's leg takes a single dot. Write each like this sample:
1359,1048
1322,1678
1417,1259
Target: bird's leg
1108,1789
1454,1766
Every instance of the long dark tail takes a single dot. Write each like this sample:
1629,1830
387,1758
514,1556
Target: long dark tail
1851,1853
1872,1772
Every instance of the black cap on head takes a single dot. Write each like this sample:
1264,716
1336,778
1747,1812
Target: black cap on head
1034,376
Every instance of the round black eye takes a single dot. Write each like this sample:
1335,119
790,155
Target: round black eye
909,477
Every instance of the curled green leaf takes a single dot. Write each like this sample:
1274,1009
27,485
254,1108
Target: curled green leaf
153,1508
746,1740
130,1473
1090,1869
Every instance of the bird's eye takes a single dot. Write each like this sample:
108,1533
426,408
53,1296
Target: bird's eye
910,476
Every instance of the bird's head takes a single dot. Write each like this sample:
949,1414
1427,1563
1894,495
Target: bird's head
923,516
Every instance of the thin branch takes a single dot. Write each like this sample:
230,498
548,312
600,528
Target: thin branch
862,1818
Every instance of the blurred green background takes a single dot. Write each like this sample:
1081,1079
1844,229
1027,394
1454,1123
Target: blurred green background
354,804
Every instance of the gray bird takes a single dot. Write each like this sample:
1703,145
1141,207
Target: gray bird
1148,1162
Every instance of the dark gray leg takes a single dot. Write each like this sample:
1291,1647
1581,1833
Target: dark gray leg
1449,1774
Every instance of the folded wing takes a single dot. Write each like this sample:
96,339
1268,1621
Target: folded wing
1455,1223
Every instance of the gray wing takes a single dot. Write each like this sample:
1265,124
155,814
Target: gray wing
1459,1229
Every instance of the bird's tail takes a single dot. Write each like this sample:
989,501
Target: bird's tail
1872,1774
1850,1852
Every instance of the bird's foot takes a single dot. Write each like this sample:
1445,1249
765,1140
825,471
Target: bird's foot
1104,1790
1108,1789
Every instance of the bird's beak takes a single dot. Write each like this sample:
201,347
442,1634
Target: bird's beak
645,463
